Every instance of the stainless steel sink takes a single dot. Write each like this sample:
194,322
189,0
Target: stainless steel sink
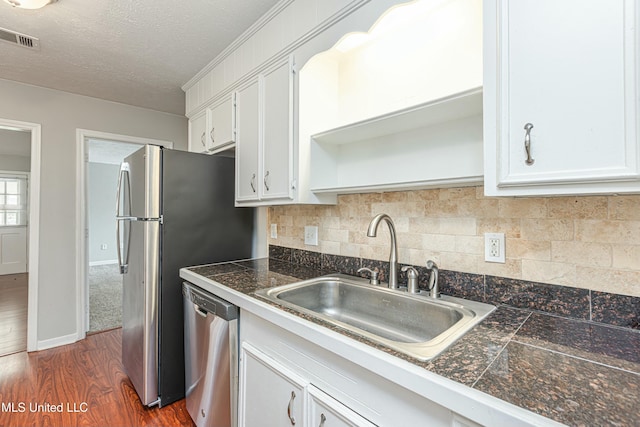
416,325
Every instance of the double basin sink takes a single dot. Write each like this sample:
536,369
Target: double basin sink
414,324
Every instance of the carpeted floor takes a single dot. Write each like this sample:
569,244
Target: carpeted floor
105,297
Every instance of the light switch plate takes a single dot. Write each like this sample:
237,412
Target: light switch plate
494,249
274,231
311,235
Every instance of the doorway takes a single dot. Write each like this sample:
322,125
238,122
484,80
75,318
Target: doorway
104,282
99,281
19,224
15,164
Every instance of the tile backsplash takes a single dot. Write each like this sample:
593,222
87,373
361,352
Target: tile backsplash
586,242
564,301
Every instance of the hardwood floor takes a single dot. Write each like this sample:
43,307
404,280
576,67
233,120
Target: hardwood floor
85,380
14,290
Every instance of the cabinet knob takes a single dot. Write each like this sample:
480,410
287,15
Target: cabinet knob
211,134
322,420
202,140
527,143
266,182
253,182
290,407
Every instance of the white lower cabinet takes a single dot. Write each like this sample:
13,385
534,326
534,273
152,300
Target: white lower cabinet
284,376
325,411
271,394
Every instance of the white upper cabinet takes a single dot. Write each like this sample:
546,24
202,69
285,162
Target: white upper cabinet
198,133
277,149
395,103
248,136
398,106
561,97
213,129
264,150
221,124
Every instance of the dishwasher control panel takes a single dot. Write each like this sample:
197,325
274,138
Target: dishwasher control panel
209,303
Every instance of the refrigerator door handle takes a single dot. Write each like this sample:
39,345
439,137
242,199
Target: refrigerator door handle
123,267
124,171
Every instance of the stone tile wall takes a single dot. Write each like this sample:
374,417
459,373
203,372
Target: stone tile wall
587,242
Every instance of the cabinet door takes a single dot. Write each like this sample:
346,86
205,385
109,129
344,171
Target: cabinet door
248,136
270,394
278,132
566,71
197,137
220,124
325,411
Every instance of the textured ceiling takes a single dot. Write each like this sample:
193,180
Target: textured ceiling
137,52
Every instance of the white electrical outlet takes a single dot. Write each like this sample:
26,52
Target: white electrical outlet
311,235
103,247
274,231
494,250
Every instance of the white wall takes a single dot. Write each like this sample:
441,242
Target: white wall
101,189
60,114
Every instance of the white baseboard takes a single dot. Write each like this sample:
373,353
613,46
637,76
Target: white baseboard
56,342
107,262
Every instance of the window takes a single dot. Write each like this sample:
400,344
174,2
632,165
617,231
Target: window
13,200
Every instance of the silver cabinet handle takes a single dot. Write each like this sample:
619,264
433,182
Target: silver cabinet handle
266,184
289,408
253,182
202,140
322,420
527,143
211,135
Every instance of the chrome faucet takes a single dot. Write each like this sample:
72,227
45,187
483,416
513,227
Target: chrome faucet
393,254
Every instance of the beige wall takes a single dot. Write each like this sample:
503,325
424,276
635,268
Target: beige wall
586,242
60,114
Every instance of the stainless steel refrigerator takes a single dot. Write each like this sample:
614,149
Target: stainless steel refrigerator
174,209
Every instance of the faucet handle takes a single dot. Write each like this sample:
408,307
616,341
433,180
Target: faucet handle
433,279
412,279
373,279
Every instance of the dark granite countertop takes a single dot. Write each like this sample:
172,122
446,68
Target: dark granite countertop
575,372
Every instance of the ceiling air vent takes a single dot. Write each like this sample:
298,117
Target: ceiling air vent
19,39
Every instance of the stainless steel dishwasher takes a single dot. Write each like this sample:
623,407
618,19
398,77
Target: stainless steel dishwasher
211,358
